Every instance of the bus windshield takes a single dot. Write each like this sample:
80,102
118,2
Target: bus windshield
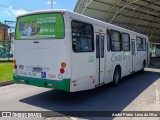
40,26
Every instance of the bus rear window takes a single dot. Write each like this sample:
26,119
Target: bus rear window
40,26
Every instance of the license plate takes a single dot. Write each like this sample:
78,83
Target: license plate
37,70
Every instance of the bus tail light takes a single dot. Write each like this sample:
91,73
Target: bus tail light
74,84
63,12
53,85
63,64
62,70
14,61
15,66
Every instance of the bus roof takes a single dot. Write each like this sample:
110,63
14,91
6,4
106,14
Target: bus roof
86,17
43,11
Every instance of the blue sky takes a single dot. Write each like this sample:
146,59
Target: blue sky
9,9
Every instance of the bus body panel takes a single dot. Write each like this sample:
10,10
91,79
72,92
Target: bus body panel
82,66
48,60
39,62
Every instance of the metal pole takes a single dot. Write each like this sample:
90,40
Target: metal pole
9,40
51,4
9,44
4,35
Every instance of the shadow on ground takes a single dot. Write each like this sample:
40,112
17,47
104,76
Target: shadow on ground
155,62
105,98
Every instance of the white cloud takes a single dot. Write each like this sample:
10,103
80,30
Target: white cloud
18,12
49,2
10,12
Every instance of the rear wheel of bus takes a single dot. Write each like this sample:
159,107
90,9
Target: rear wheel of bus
143,66
116,76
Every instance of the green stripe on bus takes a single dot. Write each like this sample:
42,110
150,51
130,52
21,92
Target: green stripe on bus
56,84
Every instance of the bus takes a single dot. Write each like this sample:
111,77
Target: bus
60,49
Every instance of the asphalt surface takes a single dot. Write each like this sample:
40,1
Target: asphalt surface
137,92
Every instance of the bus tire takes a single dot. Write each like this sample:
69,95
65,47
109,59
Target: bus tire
143,66
116,76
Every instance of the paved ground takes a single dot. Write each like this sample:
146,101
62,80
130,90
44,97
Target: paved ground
137,92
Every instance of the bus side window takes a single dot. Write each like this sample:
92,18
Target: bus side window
97,47
125,42
115,37
82,36
144,44
139,44
108,41
102,46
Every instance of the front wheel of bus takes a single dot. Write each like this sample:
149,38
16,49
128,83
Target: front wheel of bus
116,76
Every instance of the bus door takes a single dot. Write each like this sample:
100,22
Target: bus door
100,59
133,54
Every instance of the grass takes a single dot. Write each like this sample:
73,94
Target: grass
6,71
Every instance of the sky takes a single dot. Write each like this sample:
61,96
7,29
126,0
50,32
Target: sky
9,9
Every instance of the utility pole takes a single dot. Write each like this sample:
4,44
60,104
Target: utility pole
4,35
51,4
9,41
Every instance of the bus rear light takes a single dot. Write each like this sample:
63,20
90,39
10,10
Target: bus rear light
63,64
93,81
53,85
62,70
63,12
75,84
15,66
14,61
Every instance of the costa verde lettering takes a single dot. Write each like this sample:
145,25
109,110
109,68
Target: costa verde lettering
30,74
116,58
24,73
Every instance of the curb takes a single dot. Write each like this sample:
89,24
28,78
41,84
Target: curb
6,83
6,60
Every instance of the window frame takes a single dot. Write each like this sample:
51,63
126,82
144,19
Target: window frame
102,39
125,42
144,43
108,40
92,38
120,40
97,46
141,42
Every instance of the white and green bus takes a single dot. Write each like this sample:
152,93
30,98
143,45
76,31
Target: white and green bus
64,50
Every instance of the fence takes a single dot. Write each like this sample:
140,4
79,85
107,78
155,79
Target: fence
6,49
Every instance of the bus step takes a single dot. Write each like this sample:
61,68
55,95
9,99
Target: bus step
99,84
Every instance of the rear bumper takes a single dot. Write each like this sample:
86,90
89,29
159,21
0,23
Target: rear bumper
56,84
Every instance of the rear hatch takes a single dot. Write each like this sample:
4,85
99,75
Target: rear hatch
39,46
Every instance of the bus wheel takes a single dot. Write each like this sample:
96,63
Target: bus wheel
143,66
116,76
